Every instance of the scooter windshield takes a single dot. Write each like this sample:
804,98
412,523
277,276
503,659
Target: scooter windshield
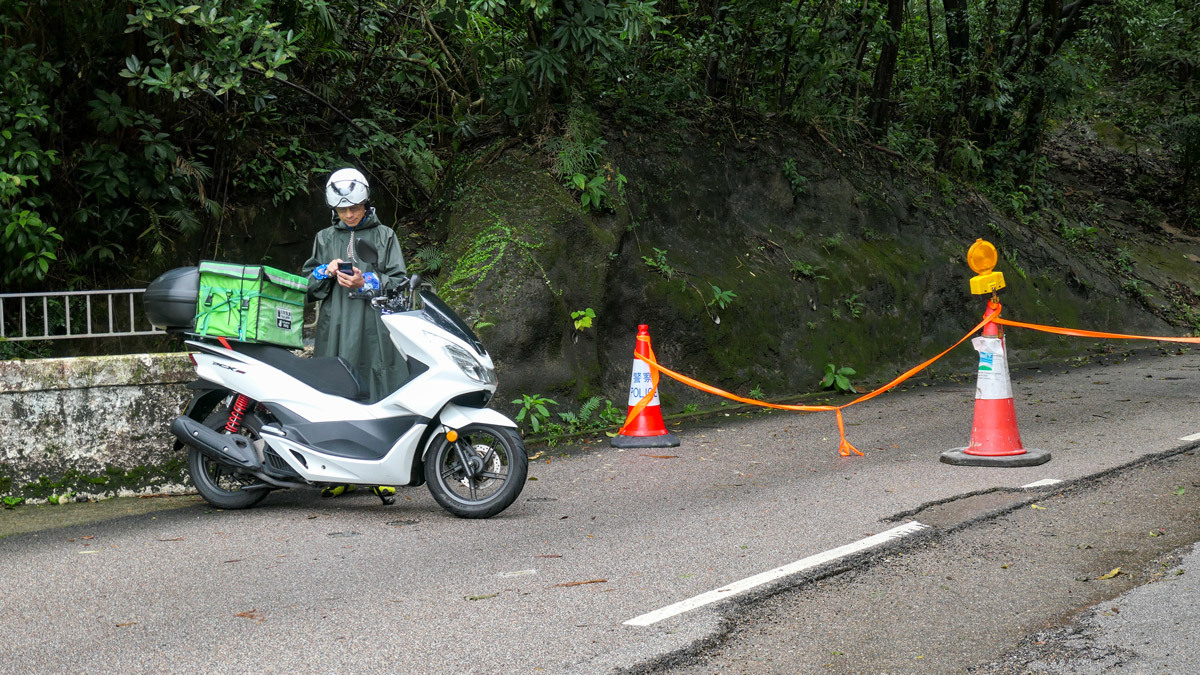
440,314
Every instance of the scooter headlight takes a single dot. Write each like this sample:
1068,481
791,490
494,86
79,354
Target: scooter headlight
471,367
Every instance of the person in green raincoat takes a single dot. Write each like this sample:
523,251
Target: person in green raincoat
347,325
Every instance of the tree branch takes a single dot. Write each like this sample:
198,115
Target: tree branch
401,169
449,57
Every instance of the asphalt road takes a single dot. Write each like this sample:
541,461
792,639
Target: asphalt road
998,594
601,536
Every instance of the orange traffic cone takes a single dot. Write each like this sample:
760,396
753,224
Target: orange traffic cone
995,440
644,426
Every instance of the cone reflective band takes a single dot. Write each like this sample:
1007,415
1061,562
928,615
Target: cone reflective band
642,384
644,426
995,439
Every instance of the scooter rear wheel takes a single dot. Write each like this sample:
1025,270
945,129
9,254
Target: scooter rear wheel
220,485
480,474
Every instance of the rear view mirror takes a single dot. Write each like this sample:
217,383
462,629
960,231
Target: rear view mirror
366,251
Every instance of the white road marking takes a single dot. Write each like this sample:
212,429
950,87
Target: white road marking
1193,437
518,573
1043,482
777,573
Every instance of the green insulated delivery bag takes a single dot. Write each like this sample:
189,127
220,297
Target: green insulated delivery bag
250,303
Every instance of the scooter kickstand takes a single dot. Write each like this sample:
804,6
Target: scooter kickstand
386,494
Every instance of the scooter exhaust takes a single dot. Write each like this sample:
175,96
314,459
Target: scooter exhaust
231,449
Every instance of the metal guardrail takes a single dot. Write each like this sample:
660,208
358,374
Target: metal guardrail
53,313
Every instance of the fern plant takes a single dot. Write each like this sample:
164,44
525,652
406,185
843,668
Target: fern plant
595,413
429,259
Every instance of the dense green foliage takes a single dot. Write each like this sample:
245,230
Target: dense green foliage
128,127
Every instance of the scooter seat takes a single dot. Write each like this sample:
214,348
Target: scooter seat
327,374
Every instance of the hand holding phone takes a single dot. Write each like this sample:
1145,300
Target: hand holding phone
346,268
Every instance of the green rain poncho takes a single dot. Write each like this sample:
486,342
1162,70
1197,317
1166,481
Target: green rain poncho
348,326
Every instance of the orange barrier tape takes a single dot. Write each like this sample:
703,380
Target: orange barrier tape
1076,332
844,446
990,316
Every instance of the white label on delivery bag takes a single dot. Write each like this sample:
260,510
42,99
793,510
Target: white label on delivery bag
283,318
993,369
641,383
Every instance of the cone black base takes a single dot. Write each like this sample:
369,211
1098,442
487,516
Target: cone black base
667,440
959,457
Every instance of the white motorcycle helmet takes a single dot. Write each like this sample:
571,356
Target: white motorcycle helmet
347,187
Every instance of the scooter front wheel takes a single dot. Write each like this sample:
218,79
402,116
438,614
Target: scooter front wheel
478,475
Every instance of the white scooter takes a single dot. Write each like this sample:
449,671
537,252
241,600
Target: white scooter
263,418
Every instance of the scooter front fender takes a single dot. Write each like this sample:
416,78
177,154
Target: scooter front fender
457,417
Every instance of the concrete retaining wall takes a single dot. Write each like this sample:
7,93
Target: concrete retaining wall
95,426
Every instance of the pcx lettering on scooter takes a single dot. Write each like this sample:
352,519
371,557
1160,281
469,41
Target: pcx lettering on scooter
319,431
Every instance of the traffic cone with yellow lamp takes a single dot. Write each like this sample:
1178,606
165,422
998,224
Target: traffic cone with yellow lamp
995,439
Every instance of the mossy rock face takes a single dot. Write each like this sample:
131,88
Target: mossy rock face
524,255
810,289
856,264
845,257
857,268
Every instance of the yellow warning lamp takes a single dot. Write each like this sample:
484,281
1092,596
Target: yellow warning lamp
452,435
982,258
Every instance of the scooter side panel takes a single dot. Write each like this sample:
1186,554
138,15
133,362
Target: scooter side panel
358,439
395,468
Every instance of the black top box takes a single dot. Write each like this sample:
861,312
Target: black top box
170,300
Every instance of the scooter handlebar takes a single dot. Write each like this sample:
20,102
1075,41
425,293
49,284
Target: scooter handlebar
396,299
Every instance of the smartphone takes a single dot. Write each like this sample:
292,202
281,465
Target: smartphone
346,268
